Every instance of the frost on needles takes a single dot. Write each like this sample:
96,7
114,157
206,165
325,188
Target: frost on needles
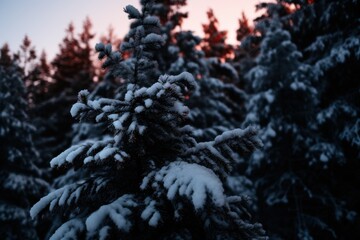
151,179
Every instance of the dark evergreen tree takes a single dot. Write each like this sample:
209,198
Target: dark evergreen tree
217,103
5,56
35,71
214,44
38,81
334,52
244,28
310,118
171,19
282,105
20,182
150,179
246,52
26,56
72,71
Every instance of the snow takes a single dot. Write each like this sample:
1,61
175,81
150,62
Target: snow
99,47
324,158
44,201
141,129
269,96
153,38
236,133
73,154
184,76
132,126
104,233
140,92
139,109
191,180
108,108
118,211
69,230
160,93
180,108
118,123
118,157
151,20
106,152
76,108
150,213
173,50
132,11
297,86
148,102
60,159
129,96
113,116
270,132
154,89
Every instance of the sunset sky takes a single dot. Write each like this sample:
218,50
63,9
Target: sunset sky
45,21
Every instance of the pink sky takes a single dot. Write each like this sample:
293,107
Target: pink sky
45,21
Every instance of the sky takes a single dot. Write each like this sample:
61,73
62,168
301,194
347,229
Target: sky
45,21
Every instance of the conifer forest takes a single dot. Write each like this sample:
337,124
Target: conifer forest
164,135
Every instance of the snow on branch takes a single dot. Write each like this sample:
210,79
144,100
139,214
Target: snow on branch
90,152
132,12
150,213
69,230
221,153
192,181
118,212
162,102
68,195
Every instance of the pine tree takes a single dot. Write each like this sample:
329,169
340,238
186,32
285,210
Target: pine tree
72,71
214,44
246,51
282,105
244,28
334,52
36,75
150,179
214,113
171,19
217,104
26,56
38,81
105,86
20,182
5,56
77,73
36,72
306,102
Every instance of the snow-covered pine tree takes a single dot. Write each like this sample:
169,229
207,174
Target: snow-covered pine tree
292,182
282,105
105,86
327,33
217,104
335,53
20,182
171,19
151,179
36,76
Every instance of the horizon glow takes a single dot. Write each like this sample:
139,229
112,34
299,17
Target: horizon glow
45,21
